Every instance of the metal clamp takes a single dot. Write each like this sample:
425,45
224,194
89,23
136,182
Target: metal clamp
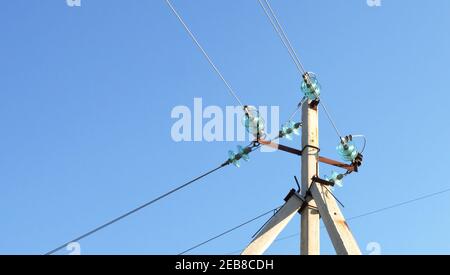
322,181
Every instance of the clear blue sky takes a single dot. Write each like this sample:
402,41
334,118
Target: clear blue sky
85,101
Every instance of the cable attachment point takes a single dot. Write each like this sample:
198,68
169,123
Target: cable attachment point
253,122
349,152
347,149
255,144
357,162
310,86
314,103
322,181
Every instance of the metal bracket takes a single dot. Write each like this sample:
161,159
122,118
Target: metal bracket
311,146
357,162
326,183
322,181
314,103
349,167
307,195
294,193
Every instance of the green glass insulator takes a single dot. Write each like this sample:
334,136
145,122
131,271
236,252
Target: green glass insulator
335,178
232,158
243,153
253,122
347,151
311,87
289,129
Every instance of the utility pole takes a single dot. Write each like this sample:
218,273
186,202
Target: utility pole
310,218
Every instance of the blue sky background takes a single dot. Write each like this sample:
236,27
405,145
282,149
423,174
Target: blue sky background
85,101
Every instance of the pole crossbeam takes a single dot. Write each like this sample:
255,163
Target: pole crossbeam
284,148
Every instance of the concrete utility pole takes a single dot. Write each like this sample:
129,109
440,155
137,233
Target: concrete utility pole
314,201
310,218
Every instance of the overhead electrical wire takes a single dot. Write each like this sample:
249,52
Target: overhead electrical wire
270,13
281,33
364,141
136,209
330,119
299,106
231,91
285,36
229,230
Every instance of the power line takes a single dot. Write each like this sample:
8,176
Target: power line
229,230
400,204
299,106
285,36
280,35
369,213
331,120
136,209
232,92
275,23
